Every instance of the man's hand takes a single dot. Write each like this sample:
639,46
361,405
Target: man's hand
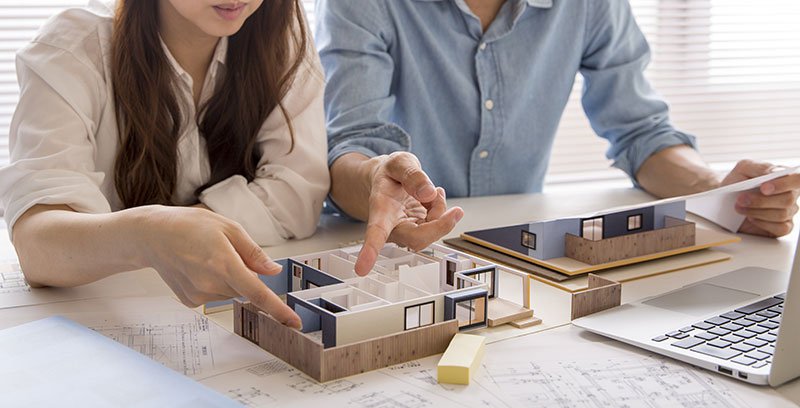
404,207
769,210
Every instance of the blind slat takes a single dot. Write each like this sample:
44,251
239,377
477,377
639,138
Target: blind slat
728,69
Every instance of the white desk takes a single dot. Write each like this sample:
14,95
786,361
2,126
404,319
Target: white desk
548,303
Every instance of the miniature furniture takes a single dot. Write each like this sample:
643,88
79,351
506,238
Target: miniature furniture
461,359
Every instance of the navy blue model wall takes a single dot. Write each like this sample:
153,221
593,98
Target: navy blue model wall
313,275
507,237
615,225
281,282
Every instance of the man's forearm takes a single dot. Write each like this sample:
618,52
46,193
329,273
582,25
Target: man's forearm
350,184
675,171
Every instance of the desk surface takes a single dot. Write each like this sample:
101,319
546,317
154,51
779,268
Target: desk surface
549,304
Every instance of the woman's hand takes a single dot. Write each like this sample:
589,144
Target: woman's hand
203,256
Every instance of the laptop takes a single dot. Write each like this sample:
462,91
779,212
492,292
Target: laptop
744,324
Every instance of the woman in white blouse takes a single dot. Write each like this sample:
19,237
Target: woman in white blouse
174,134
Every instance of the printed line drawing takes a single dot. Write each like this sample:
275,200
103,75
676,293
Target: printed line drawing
251,397
12,280
183,347
643,382
382,399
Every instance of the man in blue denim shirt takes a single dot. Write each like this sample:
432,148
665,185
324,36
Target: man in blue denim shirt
472,91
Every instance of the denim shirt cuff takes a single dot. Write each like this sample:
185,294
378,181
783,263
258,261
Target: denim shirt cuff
385,139
638,153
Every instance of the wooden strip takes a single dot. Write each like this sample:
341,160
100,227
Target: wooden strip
343,361
291,345
597,298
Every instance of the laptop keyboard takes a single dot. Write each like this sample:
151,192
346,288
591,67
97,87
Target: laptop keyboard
745,336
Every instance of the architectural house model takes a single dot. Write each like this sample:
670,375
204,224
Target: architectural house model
599,241
409,306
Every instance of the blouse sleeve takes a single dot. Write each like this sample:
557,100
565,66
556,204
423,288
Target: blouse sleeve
51,137
285,199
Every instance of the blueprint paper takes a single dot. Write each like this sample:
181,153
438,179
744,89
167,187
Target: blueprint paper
569,367
408,385
57,362
158,327
15,291
563,367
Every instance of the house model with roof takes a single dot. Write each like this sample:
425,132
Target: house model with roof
409,306
577,245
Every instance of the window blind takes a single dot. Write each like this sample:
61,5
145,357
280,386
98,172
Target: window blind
730,70
19,22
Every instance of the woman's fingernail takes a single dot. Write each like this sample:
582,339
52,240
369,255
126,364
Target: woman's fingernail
768,188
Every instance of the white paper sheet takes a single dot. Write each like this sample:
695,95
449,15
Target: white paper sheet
715,205
718,205
57,362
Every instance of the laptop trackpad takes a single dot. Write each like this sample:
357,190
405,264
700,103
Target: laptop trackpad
701,300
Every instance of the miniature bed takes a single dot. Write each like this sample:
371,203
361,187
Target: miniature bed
409,306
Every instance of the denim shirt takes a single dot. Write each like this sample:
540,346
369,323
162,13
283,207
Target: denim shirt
480,109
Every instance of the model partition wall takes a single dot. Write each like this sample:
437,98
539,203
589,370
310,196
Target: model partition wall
677,234
404,291
409,306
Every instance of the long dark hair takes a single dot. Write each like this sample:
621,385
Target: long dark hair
263,58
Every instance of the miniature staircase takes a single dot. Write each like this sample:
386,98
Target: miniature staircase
502,311
523,323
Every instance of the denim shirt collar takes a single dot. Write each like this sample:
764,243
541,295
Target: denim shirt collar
532,3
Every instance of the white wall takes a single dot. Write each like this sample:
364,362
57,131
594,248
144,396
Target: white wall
424,277
382,321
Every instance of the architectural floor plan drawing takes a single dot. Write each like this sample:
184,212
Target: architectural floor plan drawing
182,346
15,290
568,367
158,327
609,382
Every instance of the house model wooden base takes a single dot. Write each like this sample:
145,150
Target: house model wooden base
410,306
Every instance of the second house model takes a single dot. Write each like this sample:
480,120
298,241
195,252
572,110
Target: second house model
409,306
576,245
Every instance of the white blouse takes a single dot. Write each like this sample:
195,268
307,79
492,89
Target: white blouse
64,137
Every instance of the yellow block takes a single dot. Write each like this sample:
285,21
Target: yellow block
461,359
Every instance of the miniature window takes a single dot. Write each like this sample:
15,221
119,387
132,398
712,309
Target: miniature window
419,315
635,222
451,271
593,229
529,240
297,271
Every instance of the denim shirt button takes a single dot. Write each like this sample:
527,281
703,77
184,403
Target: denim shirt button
483,154
482,46
489,104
